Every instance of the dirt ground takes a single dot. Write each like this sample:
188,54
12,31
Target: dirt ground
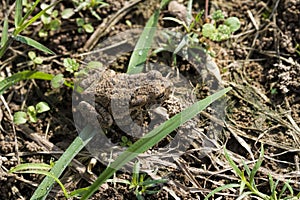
261,62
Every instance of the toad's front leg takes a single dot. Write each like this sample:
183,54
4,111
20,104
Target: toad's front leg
95,115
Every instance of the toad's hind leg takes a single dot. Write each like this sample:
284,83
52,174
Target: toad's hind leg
121,113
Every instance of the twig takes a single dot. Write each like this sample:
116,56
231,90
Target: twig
105,26
252,20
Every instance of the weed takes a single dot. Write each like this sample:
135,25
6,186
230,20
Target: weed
221,28
71,65
196,32
248,182
43,169
79,5
82,26
21,23
125,142
84,5
50,21
21,117
57,81
34,58
140,184
89,5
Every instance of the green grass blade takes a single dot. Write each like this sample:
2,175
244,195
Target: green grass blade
286,186
140,53
232,185
33,43
33,19
153,182
29,11
135,174
247,169
5,46
244,196
37,168
272,186
48,175
233,165
44,188
78,192
256,167
30,166
5,40
152,138
275,185
4,37
196,20
24,75
242,187
298,195
164,3
18,13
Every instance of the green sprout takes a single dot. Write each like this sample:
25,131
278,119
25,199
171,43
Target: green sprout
71,65
21,117
90,5
82,26
221,29
140,183
57,81
125,142
35,59
247,183
218,31
218,15
50,21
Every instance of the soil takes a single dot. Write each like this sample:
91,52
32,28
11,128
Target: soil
261,62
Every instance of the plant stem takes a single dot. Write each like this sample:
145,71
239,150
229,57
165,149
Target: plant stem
5,46
206,10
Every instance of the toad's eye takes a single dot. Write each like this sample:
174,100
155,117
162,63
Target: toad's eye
161,96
